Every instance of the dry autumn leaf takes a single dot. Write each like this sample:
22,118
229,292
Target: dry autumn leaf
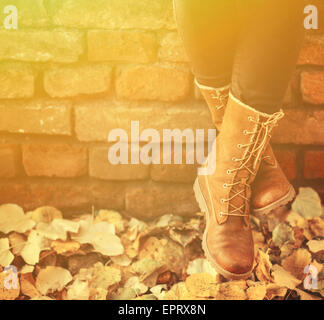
13,218
101,236
316,245
6,257
283,278
52,279
296,263
201,266
45,214
308,203
30,252
65,247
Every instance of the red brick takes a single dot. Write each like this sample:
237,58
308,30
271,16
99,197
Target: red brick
314,165
64,195
51,117
9,161
287,161
312,87
105,116
300,127
312,51
72,81
101,168
146,201
124,46
17,81
54,160
153,82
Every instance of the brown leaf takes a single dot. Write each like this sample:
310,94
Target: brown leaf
65,247
296,263
283,278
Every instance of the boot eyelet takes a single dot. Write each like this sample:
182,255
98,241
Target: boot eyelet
234,159
221,213
225,185
228,171
250,118
239,146
222,200
245,132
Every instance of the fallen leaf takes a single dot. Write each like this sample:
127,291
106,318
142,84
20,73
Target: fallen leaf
274,290
101,236
201,266
112,217
27,286
52,279
17,242
283,278
136,285
263,269
57,229
296,263
12,218
6,257
306,296
64,247
308,203
229,291
122,260
282,233
164,251
315,245
30,252
46,214
257,291
78,290
27,269
100,276
200,284
316,226
159,291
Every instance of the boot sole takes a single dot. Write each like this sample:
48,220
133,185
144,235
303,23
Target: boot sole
203,207
286,199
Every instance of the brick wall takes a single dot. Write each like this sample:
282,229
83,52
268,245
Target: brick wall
76,69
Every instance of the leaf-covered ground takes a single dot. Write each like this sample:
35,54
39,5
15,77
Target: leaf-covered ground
102,256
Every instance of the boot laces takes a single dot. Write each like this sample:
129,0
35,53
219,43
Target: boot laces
258,145
221,96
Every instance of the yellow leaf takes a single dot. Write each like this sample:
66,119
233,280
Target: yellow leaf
52,279
200,284
316,245
283,278
264,266
12,218
46,214
6,257
63,247
257,291
296,263
30,252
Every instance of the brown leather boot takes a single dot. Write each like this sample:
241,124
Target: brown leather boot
225,194
271,188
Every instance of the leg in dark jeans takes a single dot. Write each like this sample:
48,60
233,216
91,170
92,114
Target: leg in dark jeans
262,37
209,30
